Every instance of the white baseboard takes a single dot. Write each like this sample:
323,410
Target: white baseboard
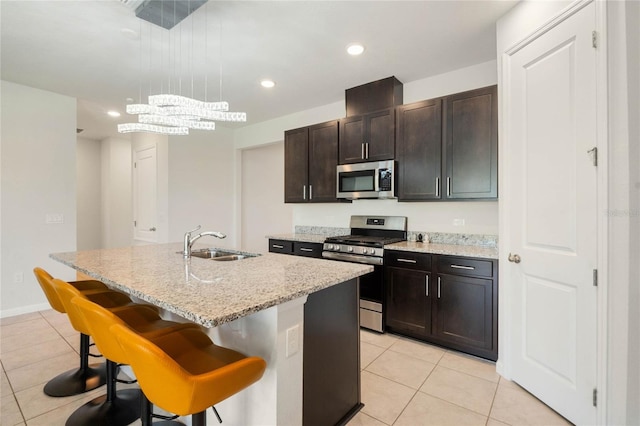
6,313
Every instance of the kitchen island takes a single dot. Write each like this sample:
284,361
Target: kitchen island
270,306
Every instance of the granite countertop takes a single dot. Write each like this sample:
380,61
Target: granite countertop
466,250
205,291
448,249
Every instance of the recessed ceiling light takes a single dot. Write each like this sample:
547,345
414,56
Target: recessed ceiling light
355,49
113,113
267,83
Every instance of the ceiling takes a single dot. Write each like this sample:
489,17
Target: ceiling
100,53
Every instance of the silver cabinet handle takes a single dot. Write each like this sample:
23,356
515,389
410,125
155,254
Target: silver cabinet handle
514,258
437,187
362,151
311,192
278,246
152,229
407,260
438,287
305,249
426,285
471,268
304,192
448,187
366,150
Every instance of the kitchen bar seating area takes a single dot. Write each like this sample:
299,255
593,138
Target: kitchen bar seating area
440,382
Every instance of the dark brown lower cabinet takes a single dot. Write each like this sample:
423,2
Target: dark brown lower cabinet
455,304
408,304
463,315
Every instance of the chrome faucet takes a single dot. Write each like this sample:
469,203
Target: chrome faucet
188,240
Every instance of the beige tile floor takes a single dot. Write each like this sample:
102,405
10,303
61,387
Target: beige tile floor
404,382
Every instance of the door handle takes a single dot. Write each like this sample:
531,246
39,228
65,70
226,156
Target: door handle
304,192
437,187
366,150
438,287
426,285
310,192
514,258
362,151
471,268
448,187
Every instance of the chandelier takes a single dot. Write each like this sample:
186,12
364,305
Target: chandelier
175,114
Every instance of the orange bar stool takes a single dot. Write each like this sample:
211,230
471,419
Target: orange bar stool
100,319
86,377
116,407
185,372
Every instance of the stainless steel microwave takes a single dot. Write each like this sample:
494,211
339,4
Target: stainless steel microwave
366,180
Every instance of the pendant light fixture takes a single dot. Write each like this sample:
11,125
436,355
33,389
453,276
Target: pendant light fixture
170,113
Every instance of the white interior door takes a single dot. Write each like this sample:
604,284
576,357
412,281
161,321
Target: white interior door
550,112
145,195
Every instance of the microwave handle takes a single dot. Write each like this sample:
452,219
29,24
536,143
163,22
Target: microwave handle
376,180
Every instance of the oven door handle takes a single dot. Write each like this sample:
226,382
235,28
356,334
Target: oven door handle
355,258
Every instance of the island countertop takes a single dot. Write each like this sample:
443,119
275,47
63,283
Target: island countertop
205,291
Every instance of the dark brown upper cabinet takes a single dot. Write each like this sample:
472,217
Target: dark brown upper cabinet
374,96
471,149
447,148
310,160
419,150
369,137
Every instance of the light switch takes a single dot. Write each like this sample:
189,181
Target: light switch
54,218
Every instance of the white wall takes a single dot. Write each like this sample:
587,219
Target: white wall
201,186
263,209
89,198
480,217
38,177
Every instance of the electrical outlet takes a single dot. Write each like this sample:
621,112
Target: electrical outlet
18,278
293,340
458,222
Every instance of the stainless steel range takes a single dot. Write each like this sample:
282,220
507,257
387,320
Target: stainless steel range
365,244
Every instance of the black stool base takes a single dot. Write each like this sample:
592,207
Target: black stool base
123,410
74,382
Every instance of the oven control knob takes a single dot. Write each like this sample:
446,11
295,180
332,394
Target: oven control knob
350,249
372,251
329,246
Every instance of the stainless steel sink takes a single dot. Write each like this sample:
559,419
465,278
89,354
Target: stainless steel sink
220,255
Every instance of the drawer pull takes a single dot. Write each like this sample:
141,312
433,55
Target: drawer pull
407,260
426,285
305,249
278,246
471,268
438,287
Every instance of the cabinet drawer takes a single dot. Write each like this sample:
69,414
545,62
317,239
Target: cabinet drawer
281,246
407,260
307,249
465,266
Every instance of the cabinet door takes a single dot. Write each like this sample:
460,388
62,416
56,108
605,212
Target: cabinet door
465,316
323,159
379,136
408,305
471,149
419,151
351,146
296,155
